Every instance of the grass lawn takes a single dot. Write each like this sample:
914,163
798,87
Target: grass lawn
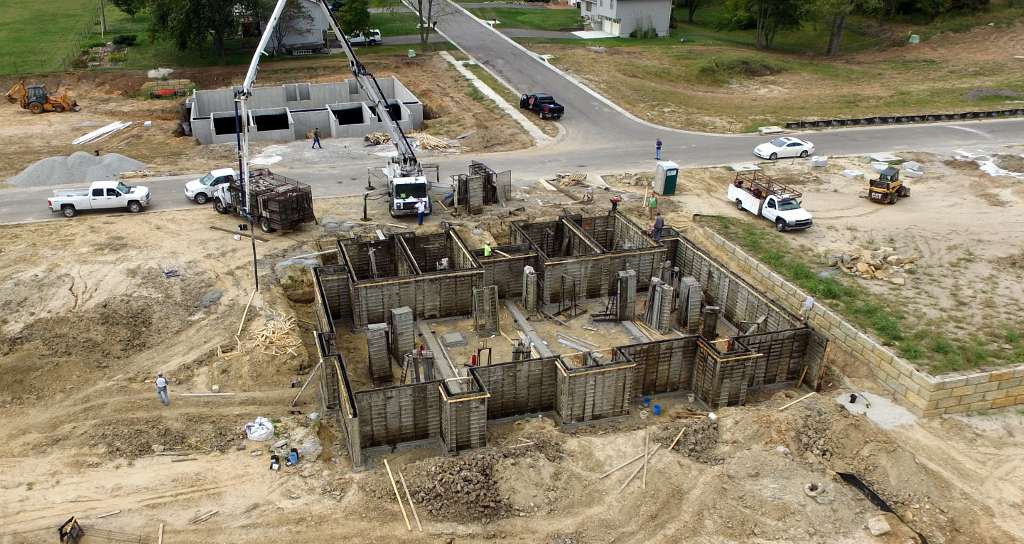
38,37
394,24
538,19
924,344
731,88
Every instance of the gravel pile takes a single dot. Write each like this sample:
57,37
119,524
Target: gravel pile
77,168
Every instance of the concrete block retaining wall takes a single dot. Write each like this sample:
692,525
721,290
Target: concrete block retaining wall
918,391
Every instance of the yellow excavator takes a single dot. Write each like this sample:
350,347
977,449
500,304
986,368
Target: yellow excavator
36,99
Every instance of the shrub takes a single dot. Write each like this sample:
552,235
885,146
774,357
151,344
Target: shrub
725,69
126,40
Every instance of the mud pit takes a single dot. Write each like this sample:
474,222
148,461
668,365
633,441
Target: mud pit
81,427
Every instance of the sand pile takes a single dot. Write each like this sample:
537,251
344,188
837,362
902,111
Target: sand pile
79,167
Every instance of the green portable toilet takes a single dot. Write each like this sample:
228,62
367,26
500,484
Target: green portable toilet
665,176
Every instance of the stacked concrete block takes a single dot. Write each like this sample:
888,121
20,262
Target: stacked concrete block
403,332
377,350
626,295
529,300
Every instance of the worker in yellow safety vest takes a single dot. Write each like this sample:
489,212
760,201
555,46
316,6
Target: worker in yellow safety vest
487,249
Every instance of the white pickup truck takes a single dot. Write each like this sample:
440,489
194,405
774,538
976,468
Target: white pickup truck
759,195
101,195
201,190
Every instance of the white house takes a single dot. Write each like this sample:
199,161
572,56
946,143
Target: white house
621,17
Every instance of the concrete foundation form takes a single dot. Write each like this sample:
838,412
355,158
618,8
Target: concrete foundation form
410,279
293,111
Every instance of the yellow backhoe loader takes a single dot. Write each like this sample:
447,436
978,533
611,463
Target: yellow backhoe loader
35,99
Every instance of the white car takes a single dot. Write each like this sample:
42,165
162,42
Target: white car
785,146
201,190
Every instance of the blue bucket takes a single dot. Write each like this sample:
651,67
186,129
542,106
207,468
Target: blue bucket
647,401
657,409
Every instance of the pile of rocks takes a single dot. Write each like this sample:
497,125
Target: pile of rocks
461,488
698,442
881,264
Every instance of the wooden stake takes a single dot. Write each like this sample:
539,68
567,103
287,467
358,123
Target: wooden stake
646,442
678,436
638,469
108,514
620,466
309,379
411,505
246,312
240,233
203,517
808,395
160,535
801,380
398,496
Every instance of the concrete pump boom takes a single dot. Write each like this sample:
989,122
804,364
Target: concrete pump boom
406,159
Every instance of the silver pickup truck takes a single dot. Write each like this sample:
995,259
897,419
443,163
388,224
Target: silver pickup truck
101,195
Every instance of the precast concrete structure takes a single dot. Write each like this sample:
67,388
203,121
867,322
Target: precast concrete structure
292,111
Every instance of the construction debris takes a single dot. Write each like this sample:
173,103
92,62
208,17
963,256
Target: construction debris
425,141
569,179
378,138
432,143
278,336
881,264
101,132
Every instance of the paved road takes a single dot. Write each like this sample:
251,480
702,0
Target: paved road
599,138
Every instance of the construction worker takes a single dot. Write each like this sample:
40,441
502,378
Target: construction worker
652,205
487,249
806,307
161,389
421,210
658,227
316,139
657,150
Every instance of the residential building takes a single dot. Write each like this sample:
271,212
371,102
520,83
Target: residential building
622,17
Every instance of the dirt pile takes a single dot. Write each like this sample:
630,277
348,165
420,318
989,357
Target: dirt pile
134,437
79,167
116,327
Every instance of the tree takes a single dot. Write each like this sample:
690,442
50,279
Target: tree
769,17
835,13
294,17
691,8
190,23
130,7
354,16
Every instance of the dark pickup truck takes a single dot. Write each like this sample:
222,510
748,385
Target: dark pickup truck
543,104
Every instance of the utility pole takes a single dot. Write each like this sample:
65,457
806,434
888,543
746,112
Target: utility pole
103,18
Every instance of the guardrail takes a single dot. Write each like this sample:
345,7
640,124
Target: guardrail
905,119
